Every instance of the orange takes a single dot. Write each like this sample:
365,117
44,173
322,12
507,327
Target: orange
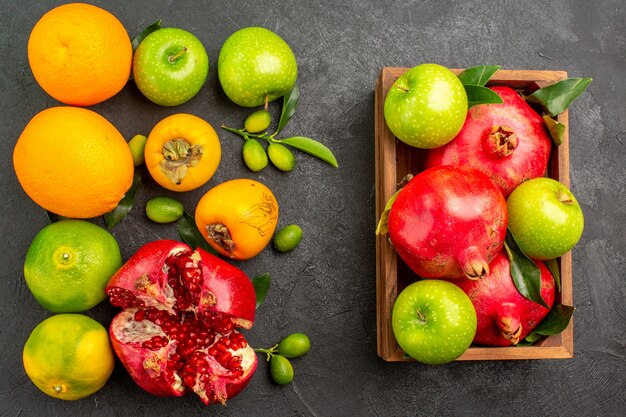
182,152
68,356
238,218
80,54
73,162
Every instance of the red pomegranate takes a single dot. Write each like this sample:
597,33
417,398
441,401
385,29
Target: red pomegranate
448,222
178,331
509,142
504,315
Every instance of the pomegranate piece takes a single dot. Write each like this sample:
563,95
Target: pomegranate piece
448,222
504,315
178,330
508,141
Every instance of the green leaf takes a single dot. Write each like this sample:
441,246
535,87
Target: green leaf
189,233
152,28
554,323
526,275
480,95
554,99
119,213
312,147
261,286
290,102
553,266
556,129
478,75
381,228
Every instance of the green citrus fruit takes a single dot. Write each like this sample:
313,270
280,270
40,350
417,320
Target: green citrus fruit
281,157
254,155
164,209
258,121
68,356
281,370
288,238
68,265
137,144
294,345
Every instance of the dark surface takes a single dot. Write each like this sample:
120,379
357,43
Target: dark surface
325,288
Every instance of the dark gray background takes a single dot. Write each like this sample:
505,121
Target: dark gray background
326,287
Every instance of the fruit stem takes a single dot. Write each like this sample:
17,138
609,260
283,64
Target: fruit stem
400,88
247,135
269,352
173,58
421,317
564,197
267,101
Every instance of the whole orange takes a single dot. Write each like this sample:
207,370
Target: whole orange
80,54
73,162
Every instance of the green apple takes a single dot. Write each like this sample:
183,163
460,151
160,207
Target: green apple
170,66
433,321
255,64
426,107
544,218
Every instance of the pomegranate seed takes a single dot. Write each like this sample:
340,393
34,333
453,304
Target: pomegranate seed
139,315
189,380
213,351
223,358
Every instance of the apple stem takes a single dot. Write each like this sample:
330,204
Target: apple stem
565,198
400,88
173,58
421,317
267,97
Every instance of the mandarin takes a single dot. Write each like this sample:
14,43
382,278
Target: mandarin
73,162
80,54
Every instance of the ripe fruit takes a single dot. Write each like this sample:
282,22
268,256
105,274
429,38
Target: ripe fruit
68,265
426,106
178,331
238,218
281,370
254,155
509,142
545,218
164,209
433,321
68,356
448,222
258,121
170,66
80,54
281,157
288,238
182,152
294,345
505,316
256,65
73,162
137,145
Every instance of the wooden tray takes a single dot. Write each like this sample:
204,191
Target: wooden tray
394,160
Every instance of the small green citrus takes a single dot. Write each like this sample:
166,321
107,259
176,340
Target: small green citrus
68,265
288,238
258,121
281,157
164,209
68,356
137,144
294,345
281,370
254,155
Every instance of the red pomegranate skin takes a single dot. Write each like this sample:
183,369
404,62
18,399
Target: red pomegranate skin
178,330
448,222
505,316
508,141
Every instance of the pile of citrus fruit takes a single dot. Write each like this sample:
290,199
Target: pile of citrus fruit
75,164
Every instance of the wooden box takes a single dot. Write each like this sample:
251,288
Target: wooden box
394,160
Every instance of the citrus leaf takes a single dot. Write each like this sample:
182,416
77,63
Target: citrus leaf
478,75
553,266
261,287
381,228
119,213
556,129
148,30
526,275
477,94
312,147
189,233
554,99
554,323
290,102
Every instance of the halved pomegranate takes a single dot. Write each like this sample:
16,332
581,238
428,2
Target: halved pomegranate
178,331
